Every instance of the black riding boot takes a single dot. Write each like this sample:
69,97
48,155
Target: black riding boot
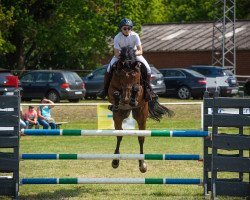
150,95
104,92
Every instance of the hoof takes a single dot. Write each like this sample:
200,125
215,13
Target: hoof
142,166
115,163
110,107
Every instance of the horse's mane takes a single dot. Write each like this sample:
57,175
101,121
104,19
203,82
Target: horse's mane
127,54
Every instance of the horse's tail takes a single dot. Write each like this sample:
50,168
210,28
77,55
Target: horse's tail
156,110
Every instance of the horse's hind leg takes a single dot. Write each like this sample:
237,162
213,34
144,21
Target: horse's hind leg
142,164
141,117
118,126
115,163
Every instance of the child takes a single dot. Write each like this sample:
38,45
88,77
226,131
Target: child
31,118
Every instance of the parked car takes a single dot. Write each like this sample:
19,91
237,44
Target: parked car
8,82
184,83
95,80
55,85
223,78
157,81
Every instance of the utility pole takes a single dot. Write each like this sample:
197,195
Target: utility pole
223,46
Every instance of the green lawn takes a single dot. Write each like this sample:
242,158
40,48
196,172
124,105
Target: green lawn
79,117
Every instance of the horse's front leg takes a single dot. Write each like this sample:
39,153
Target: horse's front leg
117,97
134,92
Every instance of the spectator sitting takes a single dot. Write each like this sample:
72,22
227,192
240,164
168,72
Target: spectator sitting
31,118
44,116
22,124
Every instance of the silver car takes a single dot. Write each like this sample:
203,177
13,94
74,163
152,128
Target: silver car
157,81
219,77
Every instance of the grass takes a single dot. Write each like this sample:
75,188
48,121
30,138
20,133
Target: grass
79,117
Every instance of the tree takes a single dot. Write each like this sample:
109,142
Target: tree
153,11
58,34
77,34
188,11
200,10
242,9
6,22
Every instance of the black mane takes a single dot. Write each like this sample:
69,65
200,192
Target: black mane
127,54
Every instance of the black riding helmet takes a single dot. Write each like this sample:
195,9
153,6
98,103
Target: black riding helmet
126,22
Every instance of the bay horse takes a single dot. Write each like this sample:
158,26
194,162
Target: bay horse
127,93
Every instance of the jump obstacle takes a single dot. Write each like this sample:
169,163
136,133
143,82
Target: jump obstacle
10,163
110,157
110,181
145,133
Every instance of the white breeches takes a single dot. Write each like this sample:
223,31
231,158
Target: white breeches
139,58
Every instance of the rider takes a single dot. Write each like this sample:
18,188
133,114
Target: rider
126,37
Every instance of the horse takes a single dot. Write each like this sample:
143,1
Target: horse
126,93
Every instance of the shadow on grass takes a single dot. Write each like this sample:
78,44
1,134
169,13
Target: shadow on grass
169,195
63,193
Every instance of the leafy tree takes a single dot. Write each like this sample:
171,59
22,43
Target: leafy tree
6,21
76,34
242,9
58,34
201,10
77,37
188,11
153,11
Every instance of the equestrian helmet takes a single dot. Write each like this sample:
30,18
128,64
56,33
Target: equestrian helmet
126,22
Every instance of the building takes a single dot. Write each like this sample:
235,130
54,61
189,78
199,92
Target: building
181,45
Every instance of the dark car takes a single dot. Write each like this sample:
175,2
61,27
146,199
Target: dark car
95,80
8,82
55,85
223,78
184,83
